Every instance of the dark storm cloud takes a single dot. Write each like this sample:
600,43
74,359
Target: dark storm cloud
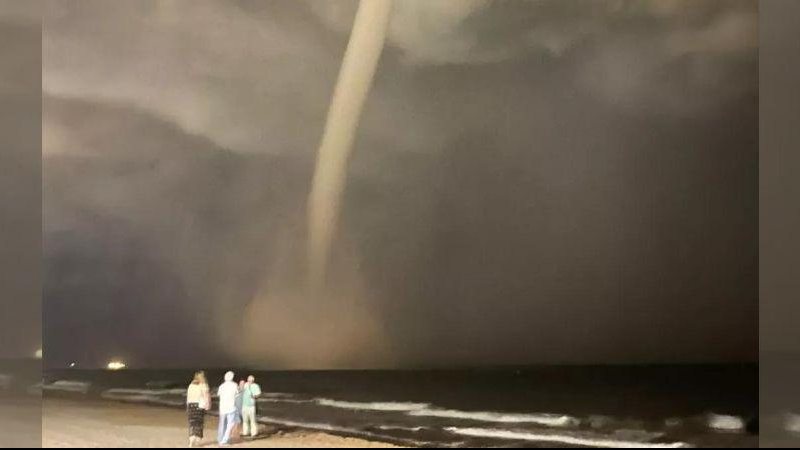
146,229
779,139
533,181
248,74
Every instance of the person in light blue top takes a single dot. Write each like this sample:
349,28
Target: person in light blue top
236,431
250,393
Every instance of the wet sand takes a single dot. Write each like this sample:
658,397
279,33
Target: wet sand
79,424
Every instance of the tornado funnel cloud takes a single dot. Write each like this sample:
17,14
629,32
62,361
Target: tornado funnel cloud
353,85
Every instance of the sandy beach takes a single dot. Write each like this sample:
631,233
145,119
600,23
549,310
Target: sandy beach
20,421
76,424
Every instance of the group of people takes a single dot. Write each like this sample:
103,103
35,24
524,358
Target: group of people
237,408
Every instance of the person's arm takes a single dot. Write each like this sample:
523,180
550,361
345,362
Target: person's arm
255,390
207,398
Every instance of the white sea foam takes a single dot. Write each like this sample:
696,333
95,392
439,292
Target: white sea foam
399,428
791,422
5,381
283,400
80,387
721,422
152,392
325,427
305,425
162,384
176,391
558,438
127,397
276,395
425,410
549,420
372,406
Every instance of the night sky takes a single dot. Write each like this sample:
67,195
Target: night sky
555,181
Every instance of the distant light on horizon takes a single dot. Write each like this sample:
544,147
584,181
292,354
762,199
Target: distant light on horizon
72,365
38,354
116,365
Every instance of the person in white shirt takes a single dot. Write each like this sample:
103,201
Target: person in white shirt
198,401
227,409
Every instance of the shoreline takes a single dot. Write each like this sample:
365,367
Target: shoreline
108,424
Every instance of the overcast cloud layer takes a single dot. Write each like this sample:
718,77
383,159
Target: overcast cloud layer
533,181
20,171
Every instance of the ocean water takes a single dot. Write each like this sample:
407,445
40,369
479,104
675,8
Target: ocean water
780,399
619,407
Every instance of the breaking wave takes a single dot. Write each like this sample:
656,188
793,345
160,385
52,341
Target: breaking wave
372,406
558,438
549,420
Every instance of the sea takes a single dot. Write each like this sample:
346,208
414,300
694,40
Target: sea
574,406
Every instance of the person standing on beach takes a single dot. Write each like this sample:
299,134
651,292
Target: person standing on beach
250,393
236,434
198,401
227,409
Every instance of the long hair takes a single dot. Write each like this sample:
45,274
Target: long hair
200,378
